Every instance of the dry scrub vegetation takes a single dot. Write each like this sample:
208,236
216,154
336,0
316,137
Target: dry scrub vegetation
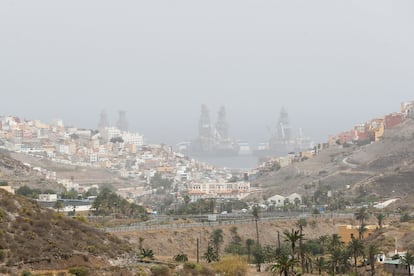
31,235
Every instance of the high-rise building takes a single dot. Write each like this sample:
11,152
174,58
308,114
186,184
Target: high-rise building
204,124
103,121
122,123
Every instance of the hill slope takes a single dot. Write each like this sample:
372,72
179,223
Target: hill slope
17,174
35,237
377,169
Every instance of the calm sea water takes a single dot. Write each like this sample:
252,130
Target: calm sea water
232,162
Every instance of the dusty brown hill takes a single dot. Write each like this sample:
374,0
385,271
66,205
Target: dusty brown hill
82,175
376,169
35,237
17,174
170,242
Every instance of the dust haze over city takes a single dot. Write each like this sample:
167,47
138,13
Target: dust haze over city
329,64
183,137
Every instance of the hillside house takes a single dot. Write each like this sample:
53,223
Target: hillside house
407,108
294,198
277,200
48,197
394,119
346,137
396,267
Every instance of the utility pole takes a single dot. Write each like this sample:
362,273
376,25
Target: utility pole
198,250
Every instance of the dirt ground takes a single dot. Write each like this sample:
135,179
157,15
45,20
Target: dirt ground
170,242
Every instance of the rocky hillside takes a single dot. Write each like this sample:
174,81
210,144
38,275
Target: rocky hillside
17,174
36,238
376,169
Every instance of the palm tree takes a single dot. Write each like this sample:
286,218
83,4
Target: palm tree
140,241
59,205
362,215
255,213
320,264
344,266
408,260
334,260
259,256
301,223
356,248
284,264
217,239
372,253
361,231
292,238
235,245
380,218
335,243
210,255
323,239
309,263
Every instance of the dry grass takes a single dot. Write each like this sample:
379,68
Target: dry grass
232,265
30,234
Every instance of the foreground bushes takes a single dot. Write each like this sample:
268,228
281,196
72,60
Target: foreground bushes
231,265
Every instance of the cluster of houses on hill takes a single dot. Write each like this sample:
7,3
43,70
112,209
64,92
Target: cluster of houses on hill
119,151
70,145
126,154
368,132
374,129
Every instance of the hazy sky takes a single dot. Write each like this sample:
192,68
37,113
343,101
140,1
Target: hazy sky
331,64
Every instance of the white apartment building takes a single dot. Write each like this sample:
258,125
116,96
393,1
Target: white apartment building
48,197
110,132
133,138
64,149
219,189
93,158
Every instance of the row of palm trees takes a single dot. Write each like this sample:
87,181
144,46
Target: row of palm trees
334,257
327,253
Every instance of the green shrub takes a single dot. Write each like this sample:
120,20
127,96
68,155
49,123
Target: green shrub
146,253
81,218
78,271
405,218
181,258
2,256
190,265
194,269
140,271
160,270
